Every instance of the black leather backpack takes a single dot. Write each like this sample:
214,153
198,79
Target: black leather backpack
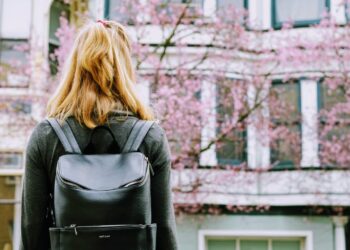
102,201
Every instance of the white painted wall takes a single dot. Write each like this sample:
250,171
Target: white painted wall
209,7
208,97
259,14
15,18
96,8
338,11
258,149
309,135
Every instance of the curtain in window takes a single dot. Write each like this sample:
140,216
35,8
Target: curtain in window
299,10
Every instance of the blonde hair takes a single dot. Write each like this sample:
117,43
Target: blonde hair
98,77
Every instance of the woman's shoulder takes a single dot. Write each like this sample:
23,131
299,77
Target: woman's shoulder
42,130
157,142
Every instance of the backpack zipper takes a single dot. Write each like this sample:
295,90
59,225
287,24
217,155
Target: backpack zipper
75,227
149,166
74,185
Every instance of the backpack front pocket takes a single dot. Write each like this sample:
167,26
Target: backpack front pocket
104,237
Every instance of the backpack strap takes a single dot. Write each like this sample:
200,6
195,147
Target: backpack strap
65,135
137,134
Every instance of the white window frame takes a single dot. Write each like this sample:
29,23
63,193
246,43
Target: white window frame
203,235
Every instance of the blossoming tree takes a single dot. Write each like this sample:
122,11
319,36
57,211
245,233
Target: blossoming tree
213,83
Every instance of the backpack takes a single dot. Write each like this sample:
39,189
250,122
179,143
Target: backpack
102,201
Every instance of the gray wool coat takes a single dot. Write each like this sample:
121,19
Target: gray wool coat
43,151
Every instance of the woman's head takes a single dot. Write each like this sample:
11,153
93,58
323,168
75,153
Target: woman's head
98,77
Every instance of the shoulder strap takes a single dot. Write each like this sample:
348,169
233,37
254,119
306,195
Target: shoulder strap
137,134
65,135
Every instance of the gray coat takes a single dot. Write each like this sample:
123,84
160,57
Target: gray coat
42,153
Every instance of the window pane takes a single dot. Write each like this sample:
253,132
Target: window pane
221,4
331,97
11,160
254,245
286,245
56,11
285,115
288,95
231,149
12,63
299,10
221,245
114,10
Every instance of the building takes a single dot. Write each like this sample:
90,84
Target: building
292,221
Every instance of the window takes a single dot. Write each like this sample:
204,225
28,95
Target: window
232,148
347,9
336,131
77,9
11,160
299,12
285,112
10,186
194,2
7,211
13,58
58,8
113,10
124,11
239,4
254,244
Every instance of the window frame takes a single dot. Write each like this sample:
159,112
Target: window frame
289,164
296,24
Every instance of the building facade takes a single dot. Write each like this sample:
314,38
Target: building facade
293,220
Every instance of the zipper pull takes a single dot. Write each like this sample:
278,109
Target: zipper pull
151,169
150,166
74,226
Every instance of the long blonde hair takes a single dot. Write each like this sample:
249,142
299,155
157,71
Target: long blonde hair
98,77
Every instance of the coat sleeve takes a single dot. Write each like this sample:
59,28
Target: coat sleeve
162,206
35,198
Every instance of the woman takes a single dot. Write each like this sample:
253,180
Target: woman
96,89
